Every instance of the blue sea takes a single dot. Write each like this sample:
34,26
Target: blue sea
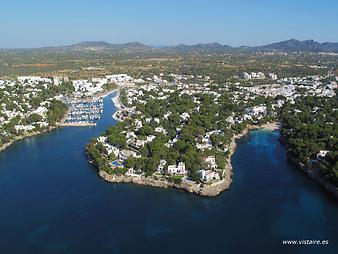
52,201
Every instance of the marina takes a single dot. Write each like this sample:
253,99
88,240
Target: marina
83,113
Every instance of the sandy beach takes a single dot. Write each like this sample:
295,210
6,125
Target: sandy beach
270,126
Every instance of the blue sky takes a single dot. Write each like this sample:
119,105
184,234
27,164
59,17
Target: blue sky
37,23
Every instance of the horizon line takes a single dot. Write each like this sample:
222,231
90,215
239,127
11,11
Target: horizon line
161,45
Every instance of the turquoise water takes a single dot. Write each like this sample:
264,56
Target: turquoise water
52,201
117,163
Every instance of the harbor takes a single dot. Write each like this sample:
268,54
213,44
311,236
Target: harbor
83,113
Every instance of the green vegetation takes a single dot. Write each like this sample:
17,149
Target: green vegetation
26,107
175,179
56,111
173,128
310,125
220,66
95,156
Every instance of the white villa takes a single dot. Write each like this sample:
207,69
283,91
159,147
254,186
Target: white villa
177,170
207,175
160,168
211,162
125,154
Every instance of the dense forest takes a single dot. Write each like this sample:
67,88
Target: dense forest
56,111
310,126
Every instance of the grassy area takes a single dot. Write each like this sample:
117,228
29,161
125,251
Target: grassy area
175,179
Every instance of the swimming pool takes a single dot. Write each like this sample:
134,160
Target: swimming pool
117,163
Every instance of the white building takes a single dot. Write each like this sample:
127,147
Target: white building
119,78
272,76
160,129
177,170
322,154
125,154
33,79
160,168
207,175
211,162
246,76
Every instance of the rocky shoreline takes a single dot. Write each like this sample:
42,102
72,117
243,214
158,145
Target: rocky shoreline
30,134
118,105
187,185
314,174
206,190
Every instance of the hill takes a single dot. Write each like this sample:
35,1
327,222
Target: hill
303,46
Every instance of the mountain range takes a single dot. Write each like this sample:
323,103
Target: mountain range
292,45
296,45
288,46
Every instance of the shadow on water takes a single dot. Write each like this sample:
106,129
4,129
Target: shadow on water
52,201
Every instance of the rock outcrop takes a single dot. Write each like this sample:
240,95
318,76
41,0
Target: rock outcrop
209,190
